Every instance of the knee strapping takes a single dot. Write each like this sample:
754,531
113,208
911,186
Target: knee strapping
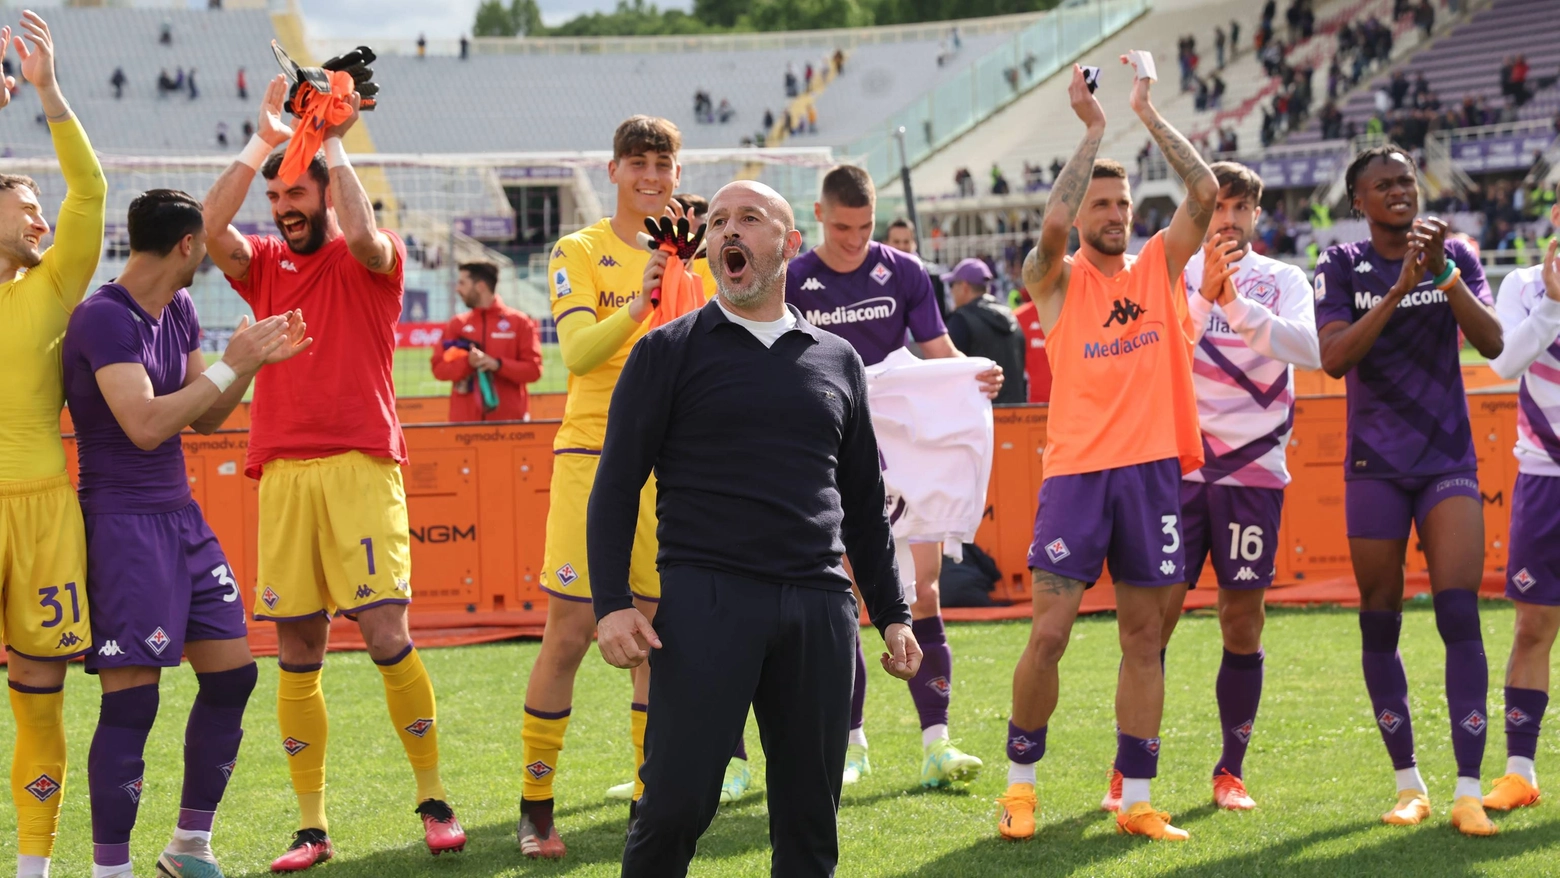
230,689
1457,616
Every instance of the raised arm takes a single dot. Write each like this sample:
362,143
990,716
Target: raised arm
229,249
1528,333
369,246
1045,268
1190,224
78,233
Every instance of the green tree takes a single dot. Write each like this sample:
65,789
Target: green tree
527,17
493,20
719,13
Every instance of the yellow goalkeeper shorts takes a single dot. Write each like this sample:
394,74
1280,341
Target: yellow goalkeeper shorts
565,569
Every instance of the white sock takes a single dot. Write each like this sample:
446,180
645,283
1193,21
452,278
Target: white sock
934,733
1409,779
1018,772
1469,786
110,871
858,736
1133,790
1523,766
194,835
31,867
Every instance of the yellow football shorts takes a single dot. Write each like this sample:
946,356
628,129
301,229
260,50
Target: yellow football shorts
43,570
565,569
333,537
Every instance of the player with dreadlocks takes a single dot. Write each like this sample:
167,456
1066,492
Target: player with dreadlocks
1389,310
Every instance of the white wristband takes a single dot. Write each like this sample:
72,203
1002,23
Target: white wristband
255,152
221,374
335,154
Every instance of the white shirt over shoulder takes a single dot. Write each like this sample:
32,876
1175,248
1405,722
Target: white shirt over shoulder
1530,322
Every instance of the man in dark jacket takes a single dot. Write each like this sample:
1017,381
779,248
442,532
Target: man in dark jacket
980,326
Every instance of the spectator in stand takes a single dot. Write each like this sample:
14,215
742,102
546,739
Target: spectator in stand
965,181
807,75
1397,90
165,34
1424,18
1216,92
790,79
1234,38
189,83
839,61
222,138
243,85
249,130
118,81
724,113
502,343
465,47
1400,8
1519,74
999,183
422,46
1056,163
980,326
769,120
1218,46
1332,120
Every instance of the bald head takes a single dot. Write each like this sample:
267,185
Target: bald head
752,235
754,193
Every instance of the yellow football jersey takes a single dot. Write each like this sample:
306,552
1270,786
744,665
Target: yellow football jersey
35,308
594,271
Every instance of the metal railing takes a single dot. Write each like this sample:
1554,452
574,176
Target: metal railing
1051,41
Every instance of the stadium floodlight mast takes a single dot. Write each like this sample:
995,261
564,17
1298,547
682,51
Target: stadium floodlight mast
904,180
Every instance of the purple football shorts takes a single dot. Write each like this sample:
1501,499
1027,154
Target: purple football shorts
1383,509
1237,526
1129,517
1533,567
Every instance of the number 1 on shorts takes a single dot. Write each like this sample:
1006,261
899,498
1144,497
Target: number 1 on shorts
368,546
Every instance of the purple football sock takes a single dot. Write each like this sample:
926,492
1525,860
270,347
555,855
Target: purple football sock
1524,715
115,769
211,739
741,751
1137,757
858,692
1238,690
932,685
1025,746
1467,677
1387,683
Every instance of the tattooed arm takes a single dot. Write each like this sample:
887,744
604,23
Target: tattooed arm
1187,228
1045,267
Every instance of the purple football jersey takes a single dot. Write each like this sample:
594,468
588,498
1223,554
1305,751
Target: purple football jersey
108,328
1408,413
872,307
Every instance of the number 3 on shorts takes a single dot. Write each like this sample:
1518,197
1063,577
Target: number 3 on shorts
1171,531
225,577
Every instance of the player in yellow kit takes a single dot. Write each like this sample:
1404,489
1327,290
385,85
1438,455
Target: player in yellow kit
42,541
600,279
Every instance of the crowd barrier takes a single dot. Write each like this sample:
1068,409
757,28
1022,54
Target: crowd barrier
478,506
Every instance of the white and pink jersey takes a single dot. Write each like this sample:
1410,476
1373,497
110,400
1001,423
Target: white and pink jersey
1531,324
1243,369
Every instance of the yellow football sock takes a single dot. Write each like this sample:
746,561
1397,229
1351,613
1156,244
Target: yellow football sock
638,715
300,713
38,767
409,694
542,733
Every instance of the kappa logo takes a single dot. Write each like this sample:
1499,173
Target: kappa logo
133,789
1056,550
1151,745
469,328
1323,259
1244,574
1243,731
158,640
566,574
270,597
363,591
1167,567
1517,716
288,265
812,283
1389,721
557,253
881,274
1362,268
110,647
1020,745
608,262
1475,723
419,728
539,769
1524,580
1125,311
293,746
227,769
940,685
43,788
68,639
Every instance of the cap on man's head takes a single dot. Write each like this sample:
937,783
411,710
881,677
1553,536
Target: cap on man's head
971,271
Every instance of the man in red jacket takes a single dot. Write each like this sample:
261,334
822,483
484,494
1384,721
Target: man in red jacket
505,344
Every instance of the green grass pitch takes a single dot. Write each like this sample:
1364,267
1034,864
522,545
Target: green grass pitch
1316,768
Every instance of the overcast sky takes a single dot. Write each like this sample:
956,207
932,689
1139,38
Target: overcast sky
337,19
